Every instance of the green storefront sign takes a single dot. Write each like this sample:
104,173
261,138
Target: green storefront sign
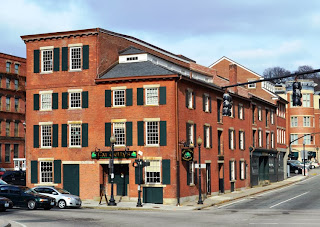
117,154
187,154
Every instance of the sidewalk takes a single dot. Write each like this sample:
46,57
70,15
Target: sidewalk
192,205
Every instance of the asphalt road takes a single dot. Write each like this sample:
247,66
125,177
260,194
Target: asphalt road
298,204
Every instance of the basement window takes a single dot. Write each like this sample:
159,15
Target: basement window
132,58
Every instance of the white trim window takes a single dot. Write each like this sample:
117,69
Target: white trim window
75,99
8,103
306,100
16,68
190,134
46,101
241,140
206,103
272,117
240,109
8,67
119,131
46,171
152,96
242,170
259,113
292,138
75,135
191,172
152,133
153,172
190,98
47,60
46,136
119,97
306,121
307,139
232,171
8,83
272,140
253,85
231,139
207,136
260,138
75,58
294,121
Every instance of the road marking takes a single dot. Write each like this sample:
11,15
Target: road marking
232,203
289,199
18,223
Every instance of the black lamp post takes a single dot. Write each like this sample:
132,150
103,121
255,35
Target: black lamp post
199,142
112,202
304,158
139,204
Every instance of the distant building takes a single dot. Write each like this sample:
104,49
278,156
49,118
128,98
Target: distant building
12,112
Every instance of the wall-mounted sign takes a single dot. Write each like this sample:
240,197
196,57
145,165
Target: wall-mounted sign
187,154
116,154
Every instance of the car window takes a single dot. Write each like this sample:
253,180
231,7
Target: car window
15,191
62,191
39,190
4,189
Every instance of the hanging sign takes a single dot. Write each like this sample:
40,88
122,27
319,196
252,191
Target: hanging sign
187,154
117,154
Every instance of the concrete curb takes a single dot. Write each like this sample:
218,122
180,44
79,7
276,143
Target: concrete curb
4,223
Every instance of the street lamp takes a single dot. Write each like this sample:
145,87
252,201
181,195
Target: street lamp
304,158
112,141
199,142
139,204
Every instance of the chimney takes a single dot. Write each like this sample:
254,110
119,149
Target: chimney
233,77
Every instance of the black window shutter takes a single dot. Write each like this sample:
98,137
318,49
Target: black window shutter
85,57
166,175
187,95
107,134
57,171
240,169
129,97
36,101
36,61
163,95
195,174
163,133
235,170
140,133
187,133
210,108
245,169
229,138
230,162
64,100
188,172
239,111
204,136
85,135
36,136
34,172
239,139
56,59
234,139
195,135
243,110
55,135
64,58
64,135
203,102
210,136
85,99
194,100
136,171
139,96
244,140
128,133
107,98
55,100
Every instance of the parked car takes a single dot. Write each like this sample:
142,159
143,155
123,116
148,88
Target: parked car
63,197
312,164
22,196
295,166
15,177
5,203
2,171
2,182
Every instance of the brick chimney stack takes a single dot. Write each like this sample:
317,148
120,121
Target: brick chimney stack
233,77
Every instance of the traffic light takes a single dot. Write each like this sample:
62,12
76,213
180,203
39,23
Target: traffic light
296,93
226,110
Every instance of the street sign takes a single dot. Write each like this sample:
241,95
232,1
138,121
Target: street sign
117,154
187,154
202,166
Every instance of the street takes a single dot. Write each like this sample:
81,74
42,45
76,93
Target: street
297,204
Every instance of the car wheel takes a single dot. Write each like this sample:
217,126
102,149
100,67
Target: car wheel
62,204
31,205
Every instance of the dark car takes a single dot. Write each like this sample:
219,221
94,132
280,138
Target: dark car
5,203
22,196
295,166
15,177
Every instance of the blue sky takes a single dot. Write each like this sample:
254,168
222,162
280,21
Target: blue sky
255,33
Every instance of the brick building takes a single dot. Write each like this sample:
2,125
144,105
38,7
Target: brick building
89,84
267,124
12,112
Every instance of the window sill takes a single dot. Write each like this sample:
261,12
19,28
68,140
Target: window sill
45,110
118,106
45,148
49,72
154,185
152,145
192,185
75,147
151,104
190,108
75,70
233,181
74,108
46,184
119,146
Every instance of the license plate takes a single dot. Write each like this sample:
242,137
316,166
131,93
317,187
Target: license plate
52,203
6,205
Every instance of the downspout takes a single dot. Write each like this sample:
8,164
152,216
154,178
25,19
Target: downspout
177,143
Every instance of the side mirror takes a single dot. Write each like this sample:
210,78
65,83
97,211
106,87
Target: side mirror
54,193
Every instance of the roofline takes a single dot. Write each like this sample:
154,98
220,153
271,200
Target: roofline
147,77
241,66
262,100
13,56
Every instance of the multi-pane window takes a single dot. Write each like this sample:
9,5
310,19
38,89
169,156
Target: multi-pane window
267,118
16,68
259,114
46,136
190,134
16,104
306,121
207,136
75,135
119,97
219,114
306,100
7,153
47,64
46,171
152,96
189,99
152,135
242,170
8,103
120,133
152,172
16,84
46,101
231,139
272,140
232,171
16,129
253,114
206,103
267,140
294,137
254,138
294,121
75,58
75,99
272,117
191,172
7,83
241,140
8,67
16,151
7,128
307,139
260,138
240,114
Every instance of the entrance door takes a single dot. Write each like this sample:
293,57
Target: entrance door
208,170
263,169
121,178
221,178
71,178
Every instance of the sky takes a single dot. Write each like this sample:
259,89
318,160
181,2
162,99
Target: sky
257,34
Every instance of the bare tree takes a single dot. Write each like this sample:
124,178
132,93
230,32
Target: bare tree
305,68
276,72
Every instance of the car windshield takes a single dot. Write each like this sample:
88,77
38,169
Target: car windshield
62,191
28,190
